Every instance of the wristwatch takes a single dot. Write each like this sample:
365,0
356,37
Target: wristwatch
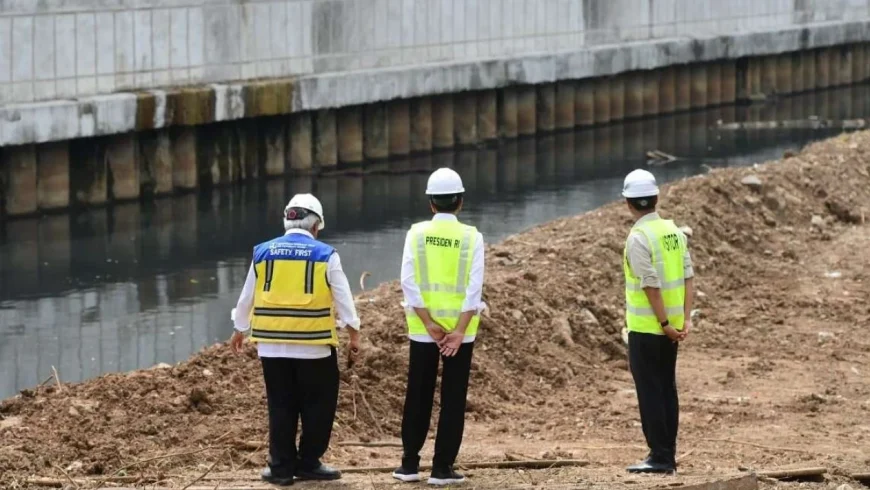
665,323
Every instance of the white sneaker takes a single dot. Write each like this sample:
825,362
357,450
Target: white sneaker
445,476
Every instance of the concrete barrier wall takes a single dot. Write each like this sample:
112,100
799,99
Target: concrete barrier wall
537,66
57,49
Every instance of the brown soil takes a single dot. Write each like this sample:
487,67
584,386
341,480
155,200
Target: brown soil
775,373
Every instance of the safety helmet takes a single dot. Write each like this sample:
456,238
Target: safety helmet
640,183
307,202
444,181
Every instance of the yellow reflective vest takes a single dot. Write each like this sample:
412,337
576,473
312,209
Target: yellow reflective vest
292,297
668,245
442,267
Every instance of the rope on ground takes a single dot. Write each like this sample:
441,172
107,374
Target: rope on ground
369,444
530,464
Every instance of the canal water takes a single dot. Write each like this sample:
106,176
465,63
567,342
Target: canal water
134,285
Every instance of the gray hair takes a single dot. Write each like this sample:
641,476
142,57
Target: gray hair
307,223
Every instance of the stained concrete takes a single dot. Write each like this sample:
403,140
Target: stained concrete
95,115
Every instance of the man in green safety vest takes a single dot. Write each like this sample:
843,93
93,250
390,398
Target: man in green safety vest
658,305
442,280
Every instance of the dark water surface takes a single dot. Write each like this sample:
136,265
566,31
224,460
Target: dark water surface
138,284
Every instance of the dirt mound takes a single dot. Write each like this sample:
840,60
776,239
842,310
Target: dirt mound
555,297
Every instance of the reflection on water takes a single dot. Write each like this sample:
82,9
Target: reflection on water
134,285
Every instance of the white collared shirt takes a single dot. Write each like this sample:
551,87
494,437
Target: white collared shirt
473,292
342,299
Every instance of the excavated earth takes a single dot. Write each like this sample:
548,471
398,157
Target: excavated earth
774,375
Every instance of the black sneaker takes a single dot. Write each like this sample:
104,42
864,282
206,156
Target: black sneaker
321,472
406,475
445,476
282,481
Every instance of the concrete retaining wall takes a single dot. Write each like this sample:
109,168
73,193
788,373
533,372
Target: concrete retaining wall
417,76
63,54
53,49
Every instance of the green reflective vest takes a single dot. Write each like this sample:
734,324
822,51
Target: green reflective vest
442,267
668,245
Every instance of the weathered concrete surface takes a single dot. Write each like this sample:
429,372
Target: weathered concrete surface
617,97
350,134
668,90
508,124
421,124
634,95
88,172
183,143
52,175
376,144
274,144
325,139
651,92
300,136
122,158
545,102
564,107
465,118
601,98
442,121
584,103
399,125
155,162
63,116
19,167
487,115
527,113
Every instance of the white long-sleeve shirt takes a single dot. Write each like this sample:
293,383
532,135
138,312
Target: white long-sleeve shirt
473,292
342,299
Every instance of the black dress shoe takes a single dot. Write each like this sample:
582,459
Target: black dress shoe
650,466
322,472
283,481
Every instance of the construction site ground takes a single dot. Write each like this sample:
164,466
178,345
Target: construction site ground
773,376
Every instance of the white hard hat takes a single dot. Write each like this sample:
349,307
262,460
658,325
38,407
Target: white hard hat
640,183
444,181
309,202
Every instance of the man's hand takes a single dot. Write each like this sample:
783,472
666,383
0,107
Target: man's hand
354,349
687,325
236,341
436,331
450,343
672,333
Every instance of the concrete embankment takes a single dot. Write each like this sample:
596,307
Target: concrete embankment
113,131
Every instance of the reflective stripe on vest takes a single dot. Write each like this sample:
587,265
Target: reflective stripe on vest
292,299
667,245
442,257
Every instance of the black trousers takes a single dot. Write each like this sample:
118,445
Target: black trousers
306,388
653,361
422,374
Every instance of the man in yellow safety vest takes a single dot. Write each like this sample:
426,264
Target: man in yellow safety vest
658,300
294,298
442,280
